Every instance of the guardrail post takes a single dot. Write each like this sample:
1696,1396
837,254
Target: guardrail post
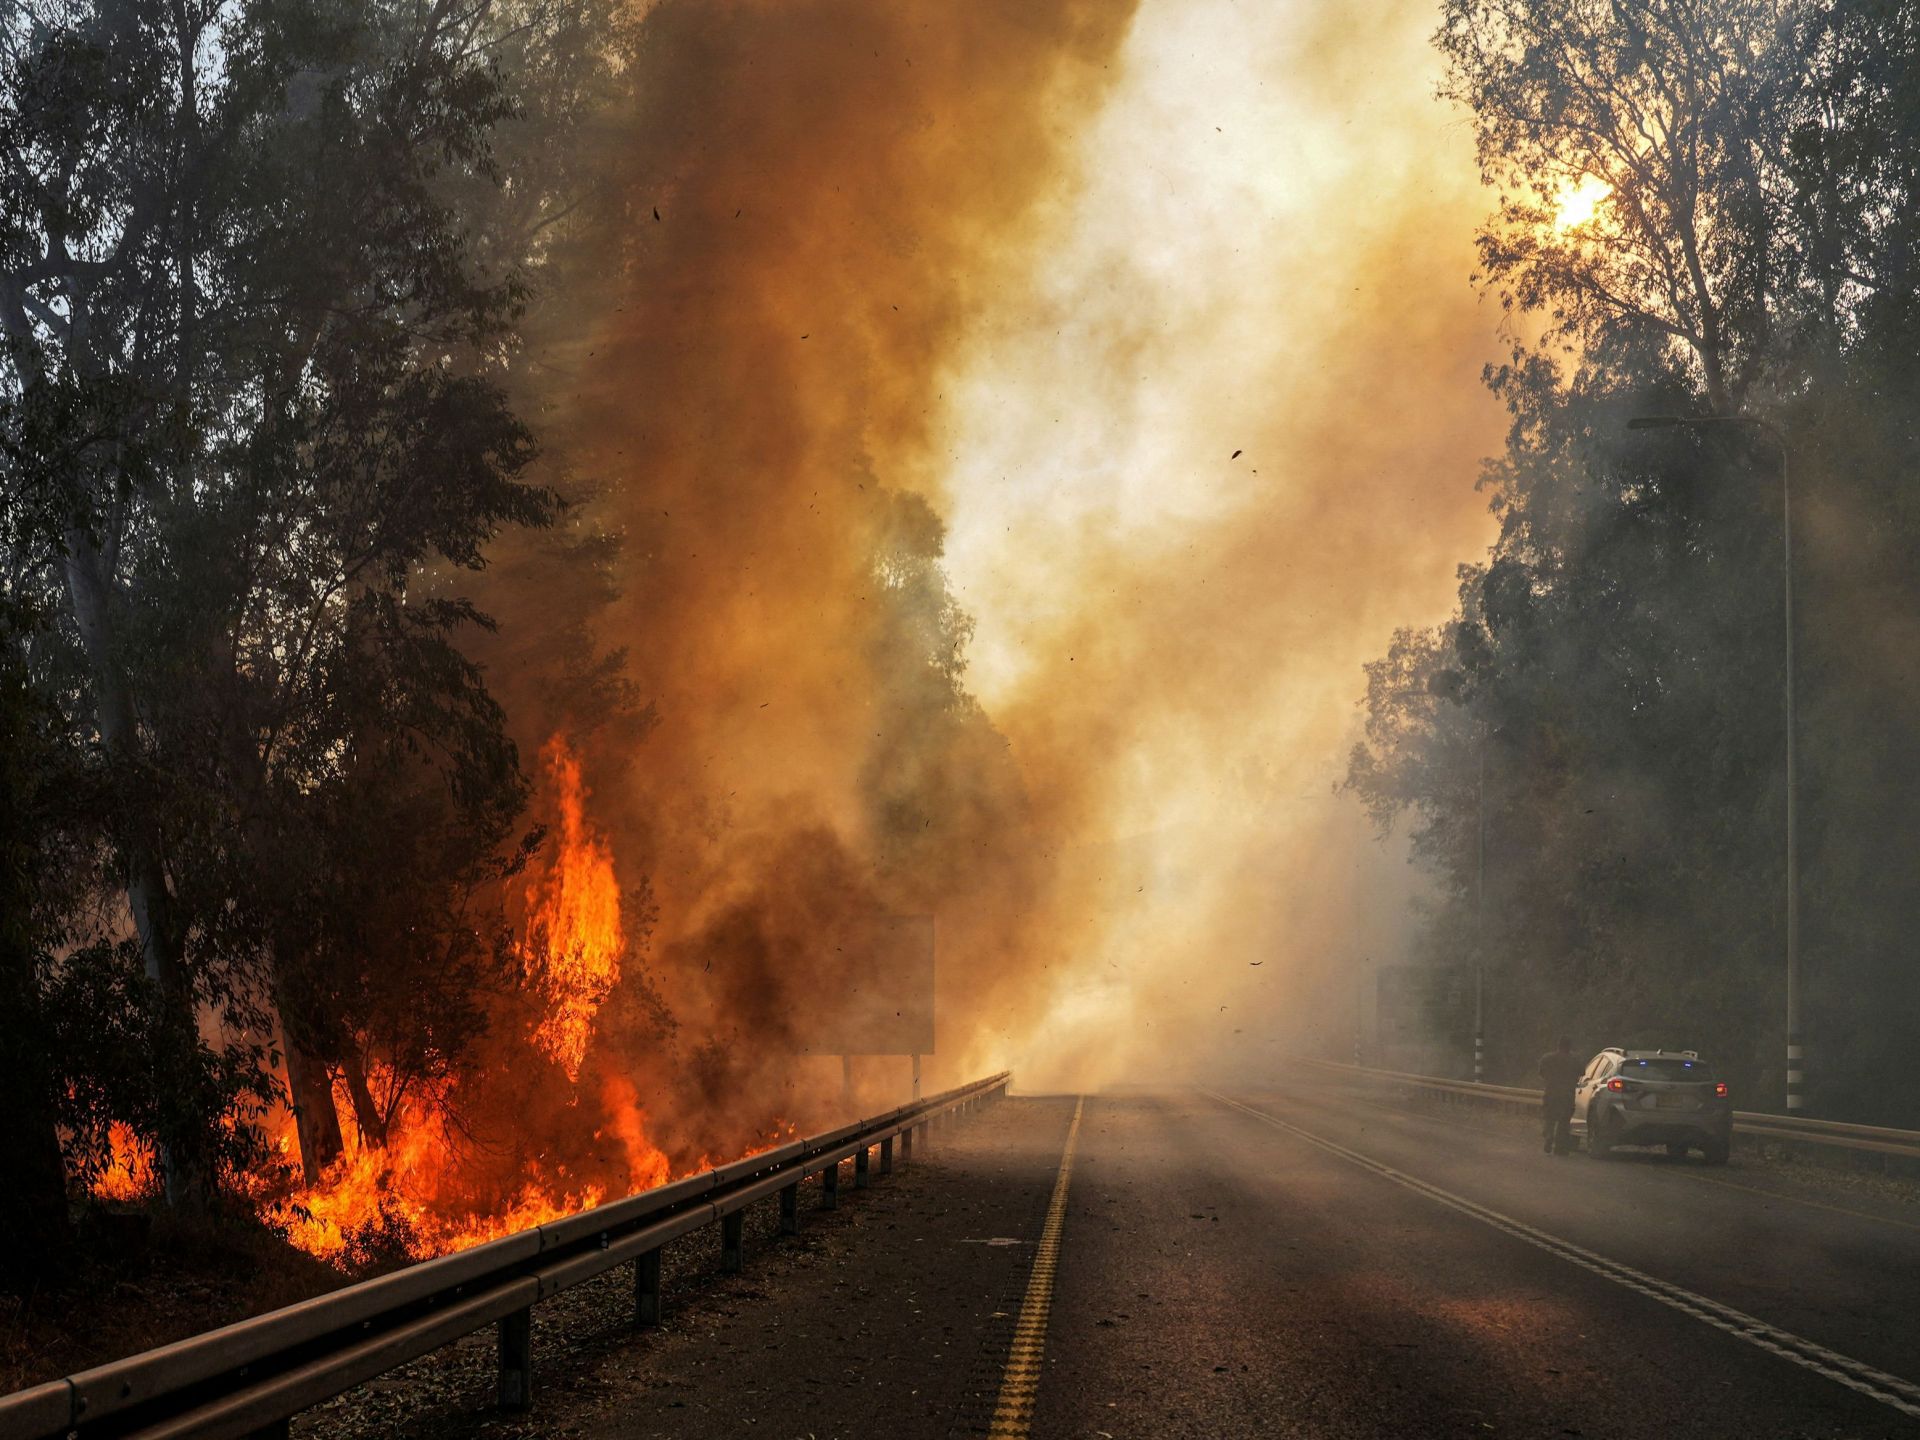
646,1288
516,1359
906,1145
886,1156
861,1159
733,1245
830,1187
790,1210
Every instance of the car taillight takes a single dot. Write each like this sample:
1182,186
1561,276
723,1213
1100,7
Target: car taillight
1721,1089
1616,1084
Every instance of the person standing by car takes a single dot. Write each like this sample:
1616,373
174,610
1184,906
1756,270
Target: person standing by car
1559,1072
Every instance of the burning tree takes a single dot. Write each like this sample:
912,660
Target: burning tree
250,427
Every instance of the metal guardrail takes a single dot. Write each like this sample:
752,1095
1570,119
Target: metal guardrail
249,1378
1837,1134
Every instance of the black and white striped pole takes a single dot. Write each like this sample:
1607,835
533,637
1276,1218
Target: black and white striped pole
1796,1050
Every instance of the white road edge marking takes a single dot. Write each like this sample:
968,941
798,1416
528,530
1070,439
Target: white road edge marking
1889,1390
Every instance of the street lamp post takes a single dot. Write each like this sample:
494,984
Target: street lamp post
1796,1053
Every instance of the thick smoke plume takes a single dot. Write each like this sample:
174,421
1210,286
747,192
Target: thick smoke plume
1017,422
1263,461
810,206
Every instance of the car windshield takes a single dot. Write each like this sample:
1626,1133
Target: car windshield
1666,1067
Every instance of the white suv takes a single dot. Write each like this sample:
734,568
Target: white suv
1653,1097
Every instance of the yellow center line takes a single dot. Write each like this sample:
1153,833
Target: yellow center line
1020,1384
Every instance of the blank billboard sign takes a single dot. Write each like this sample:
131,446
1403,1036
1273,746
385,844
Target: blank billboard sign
875,995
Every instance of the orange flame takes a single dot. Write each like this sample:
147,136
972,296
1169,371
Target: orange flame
377,1199
129,1174
647,1165
410,1197
390,1199
574,935
386,1203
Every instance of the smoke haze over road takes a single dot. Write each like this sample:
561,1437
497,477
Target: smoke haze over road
1148,309
1219,445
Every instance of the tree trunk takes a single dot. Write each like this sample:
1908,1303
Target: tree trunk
147,893
315,1120
182,1157
316,1116
372,1120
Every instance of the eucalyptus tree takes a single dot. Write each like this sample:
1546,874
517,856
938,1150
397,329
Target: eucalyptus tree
1705,208
1657,116
252,422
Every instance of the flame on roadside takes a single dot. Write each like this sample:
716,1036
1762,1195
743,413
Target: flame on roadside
413,1194
647,1165
389,1201
574,936
400,1195
386,1203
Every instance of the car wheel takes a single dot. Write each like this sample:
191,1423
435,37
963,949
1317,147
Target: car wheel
1717,1150
1599,1139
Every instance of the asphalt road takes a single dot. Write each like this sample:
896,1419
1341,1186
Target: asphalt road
1227,1273
1315,1262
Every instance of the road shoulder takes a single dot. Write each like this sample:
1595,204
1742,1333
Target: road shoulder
889,1315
